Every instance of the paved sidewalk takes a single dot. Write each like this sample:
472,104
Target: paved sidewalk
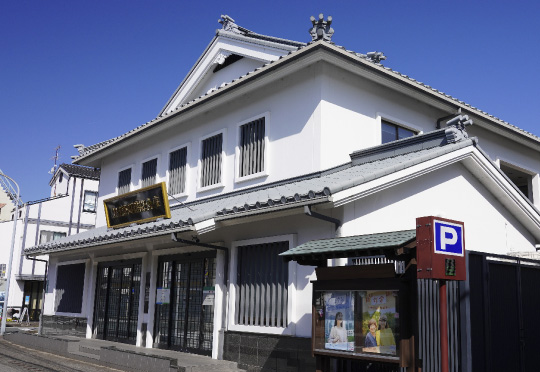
128,357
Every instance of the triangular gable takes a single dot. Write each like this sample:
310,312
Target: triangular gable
232,53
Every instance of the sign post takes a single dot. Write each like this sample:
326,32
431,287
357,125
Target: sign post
440,254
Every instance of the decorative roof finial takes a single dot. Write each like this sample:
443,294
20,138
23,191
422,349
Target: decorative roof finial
376,57
228,24
321,29
455,128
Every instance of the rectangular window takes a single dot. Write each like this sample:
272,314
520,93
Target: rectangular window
520,178
124,181
149,170
2,270
47,236
252,147
392,132
90,201
69,288
211,160
262,285
177,171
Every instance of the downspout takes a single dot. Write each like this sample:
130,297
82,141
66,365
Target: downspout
40,329
72,202
311,213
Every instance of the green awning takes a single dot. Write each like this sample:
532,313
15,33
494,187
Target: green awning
350,246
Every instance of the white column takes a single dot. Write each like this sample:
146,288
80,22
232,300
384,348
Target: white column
153,266
220,306
142,318
90,293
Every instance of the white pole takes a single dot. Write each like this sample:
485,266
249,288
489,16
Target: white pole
8,273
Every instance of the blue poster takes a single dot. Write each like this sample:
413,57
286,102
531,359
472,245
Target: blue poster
339,320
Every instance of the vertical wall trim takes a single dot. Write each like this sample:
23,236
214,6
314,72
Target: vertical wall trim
72,202
465,321
24,240
80,205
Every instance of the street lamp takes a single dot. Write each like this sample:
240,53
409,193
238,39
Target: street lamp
8,271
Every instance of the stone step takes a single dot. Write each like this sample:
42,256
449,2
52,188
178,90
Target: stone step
86,355
96,350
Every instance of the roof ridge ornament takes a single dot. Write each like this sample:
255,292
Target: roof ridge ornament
455,128
321,29
376,57
227,24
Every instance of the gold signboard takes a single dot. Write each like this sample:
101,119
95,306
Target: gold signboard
143,205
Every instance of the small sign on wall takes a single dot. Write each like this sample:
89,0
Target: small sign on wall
163,296
209,294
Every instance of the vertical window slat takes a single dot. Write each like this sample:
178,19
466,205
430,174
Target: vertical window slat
211,160
251,146
149,170
177,171
124,181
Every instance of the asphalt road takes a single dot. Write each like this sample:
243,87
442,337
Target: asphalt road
16,358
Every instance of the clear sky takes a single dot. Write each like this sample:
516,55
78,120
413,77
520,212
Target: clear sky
85,71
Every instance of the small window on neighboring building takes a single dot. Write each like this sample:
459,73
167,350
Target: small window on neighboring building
520,178
177,171
211,160
2,270
149,170
90,201
251,155
60,177
262,285
124,181
47,236
392,132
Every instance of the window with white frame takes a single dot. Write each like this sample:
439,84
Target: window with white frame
392,132
177,171
521,178
251,147
211,158
124,181
47,236
149,171
90,201
262,280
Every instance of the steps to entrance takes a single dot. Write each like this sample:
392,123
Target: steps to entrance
123,356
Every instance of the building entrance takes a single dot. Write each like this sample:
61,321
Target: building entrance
33,294
116,308
184,317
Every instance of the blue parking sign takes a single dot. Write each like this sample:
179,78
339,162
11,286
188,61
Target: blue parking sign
448,238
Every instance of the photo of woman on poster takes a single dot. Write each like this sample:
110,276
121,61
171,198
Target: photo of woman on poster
338,333
384,335
371,340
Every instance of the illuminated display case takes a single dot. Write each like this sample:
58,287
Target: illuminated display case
362,312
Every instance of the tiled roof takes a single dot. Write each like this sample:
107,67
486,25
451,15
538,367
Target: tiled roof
372,244
85,151
81,171
308,189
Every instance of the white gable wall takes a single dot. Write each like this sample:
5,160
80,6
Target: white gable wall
451,192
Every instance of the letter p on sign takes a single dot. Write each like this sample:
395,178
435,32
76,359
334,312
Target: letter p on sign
448,238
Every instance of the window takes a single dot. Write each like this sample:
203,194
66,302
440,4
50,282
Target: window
69,288
47,236
149,170
2,270
60,177
211,160
262,285
520,178
124,181
90,201
251,148
177,171
392,132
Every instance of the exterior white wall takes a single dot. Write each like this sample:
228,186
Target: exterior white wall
450,193
5,211
54,216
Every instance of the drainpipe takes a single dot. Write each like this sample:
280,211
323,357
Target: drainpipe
80,206
311,213
40,329
444,118
72,202
27,212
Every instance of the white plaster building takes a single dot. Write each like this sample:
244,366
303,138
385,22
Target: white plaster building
261,136
70,209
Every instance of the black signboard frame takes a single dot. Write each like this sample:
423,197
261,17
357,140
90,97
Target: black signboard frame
139,206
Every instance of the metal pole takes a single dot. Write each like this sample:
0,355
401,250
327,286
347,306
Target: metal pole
8,273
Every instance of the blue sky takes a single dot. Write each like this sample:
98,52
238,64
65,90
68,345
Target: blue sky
85,71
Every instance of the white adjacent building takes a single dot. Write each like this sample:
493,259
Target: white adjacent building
268,144
70,209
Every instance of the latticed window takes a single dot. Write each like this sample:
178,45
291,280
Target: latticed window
124,181
149,170
252,147
211,160
177,171
262,285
